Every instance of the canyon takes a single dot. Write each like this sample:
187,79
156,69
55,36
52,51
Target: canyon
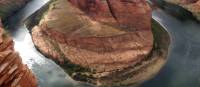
13,73
181,69
101,41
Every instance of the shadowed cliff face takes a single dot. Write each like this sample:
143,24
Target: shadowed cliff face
95,40
7,7
191,5
12,71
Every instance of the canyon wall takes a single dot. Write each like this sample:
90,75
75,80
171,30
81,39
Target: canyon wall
13,73
104,42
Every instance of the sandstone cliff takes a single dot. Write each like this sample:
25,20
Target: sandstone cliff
191,5
7,7
100,41
89,39
13,73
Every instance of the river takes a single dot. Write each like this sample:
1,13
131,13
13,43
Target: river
181,70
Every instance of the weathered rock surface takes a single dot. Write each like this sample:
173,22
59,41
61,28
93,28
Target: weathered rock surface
13,73
89,39
100,41
191,5
7,7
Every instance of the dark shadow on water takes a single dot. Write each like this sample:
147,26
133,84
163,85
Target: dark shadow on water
181,70
177,11
161,80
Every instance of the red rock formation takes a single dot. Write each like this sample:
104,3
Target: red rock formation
104,36
13,73
115,43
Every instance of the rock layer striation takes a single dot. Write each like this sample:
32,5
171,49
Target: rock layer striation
88,38
13,73
99,41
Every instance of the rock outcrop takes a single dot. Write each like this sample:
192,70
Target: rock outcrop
88,38
13,73
100,41
7,7
191,5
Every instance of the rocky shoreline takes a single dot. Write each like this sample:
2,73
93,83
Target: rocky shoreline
13,73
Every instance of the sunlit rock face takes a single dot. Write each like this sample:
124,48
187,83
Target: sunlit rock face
7,7
13,73
90,38
191,5
99,41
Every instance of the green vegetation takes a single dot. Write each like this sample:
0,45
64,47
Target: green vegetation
76,71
